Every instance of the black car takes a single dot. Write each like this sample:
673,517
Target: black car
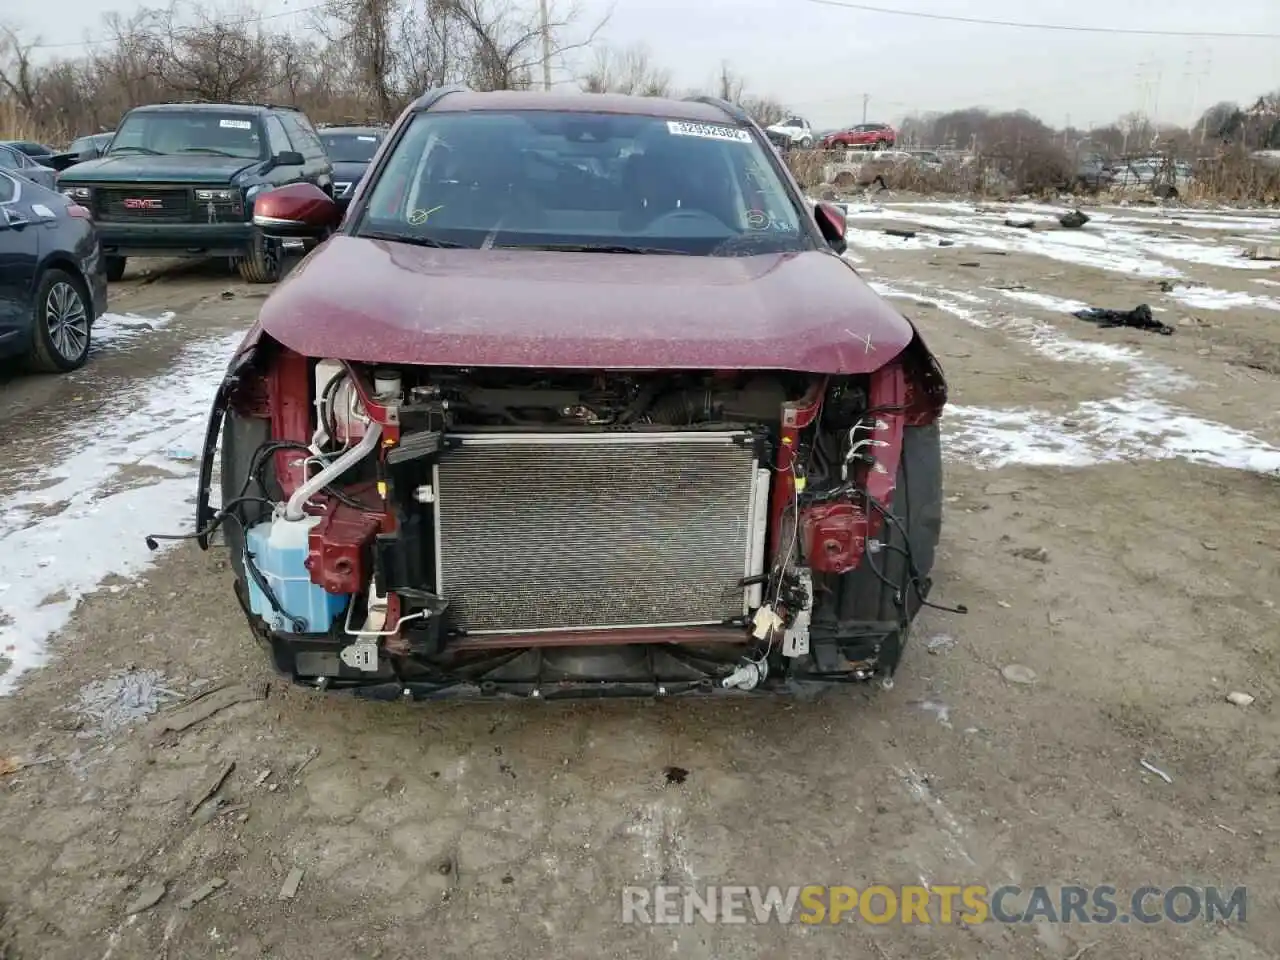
52,283
179,179
38,152
15,161
82,149
351,149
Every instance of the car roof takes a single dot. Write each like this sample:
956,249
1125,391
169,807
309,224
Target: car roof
201,106
359,131
499,100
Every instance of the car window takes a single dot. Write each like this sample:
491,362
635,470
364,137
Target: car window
277,139
12,159
214,132
303,136
531,178
794,122
8,189
350,147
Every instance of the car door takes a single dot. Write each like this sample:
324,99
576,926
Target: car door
19,255
280,142
318,168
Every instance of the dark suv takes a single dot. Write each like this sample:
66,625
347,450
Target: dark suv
181,178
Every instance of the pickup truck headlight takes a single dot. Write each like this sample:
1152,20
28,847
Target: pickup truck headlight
76,193
216,196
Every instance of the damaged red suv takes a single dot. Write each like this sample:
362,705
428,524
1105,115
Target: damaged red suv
579,399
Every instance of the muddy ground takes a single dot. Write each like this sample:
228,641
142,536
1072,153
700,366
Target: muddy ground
1140,591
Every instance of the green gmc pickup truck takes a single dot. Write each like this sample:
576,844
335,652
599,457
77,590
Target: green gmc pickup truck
179,179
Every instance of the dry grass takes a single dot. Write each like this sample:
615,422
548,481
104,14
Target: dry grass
1233,177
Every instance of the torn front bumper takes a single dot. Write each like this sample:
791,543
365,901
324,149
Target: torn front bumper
616,670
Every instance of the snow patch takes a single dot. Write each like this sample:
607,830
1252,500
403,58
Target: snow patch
1101,431
118,329
1043,300
1209,298
116,485
1135,426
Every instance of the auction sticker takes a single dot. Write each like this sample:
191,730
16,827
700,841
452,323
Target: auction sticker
236,124
708,131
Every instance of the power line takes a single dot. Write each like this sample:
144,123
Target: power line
232,23
1062,27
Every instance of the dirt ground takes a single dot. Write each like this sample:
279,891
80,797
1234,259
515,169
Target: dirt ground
1140,591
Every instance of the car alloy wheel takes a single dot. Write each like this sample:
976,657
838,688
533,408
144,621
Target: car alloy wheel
67,321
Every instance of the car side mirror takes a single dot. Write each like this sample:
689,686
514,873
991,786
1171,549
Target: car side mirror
833,224
295,210
288,158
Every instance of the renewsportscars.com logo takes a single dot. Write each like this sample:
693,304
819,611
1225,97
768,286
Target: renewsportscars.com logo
909,904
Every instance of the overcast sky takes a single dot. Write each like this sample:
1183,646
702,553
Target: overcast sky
821,59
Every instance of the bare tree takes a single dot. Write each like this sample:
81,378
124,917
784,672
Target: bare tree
215,59
505,40
628,70
729,84
17,75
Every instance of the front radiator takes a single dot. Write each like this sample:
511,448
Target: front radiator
598,530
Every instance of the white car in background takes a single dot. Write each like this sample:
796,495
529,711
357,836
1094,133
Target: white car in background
796,129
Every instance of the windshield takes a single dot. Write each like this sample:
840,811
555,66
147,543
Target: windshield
350,147
95,141
213,133
573,180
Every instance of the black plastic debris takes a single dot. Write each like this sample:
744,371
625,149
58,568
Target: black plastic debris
898,232
675,775
1139,318
1021,224
1073,220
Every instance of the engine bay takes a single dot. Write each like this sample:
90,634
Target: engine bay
431,515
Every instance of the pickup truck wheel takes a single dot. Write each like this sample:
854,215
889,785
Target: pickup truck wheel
917,504
115,268
806,142
262,265
63,315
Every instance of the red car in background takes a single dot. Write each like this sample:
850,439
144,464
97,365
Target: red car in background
877,136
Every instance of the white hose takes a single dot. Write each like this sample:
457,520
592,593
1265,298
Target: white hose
368,443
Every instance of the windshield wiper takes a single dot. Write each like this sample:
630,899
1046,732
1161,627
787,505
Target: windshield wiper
214,150
415,239
147,150
589,248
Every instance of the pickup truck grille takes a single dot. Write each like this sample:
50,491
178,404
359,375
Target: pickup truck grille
144,204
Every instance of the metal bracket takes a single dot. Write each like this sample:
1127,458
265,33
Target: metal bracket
362,656
795,642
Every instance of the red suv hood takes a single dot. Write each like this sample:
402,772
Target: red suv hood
381,302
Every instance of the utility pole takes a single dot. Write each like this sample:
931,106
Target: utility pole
865,98
546,44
